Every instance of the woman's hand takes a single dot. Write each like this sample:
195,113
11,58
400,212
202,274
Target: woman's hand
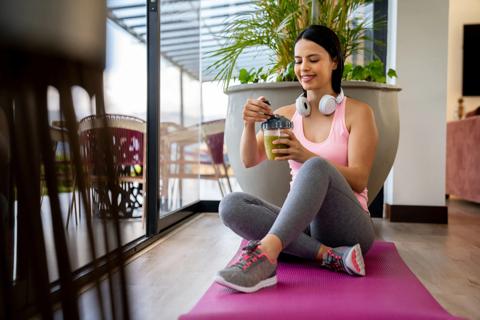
295,151
256,110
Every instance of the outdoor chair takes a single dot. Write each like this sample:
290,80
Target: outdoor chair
213,136
194,152
128,152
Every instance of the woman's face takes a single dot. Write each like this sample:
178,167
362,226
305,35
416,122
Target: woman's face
313,65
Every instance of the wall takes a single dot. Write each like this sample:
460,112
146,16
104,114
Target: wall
461,12
418,175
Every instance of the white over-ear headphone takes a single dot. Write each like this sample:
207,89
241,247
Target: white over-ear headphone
327,104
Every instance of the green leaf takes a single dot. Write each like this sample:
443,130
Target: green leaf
373,71
289,73
347,71
358,73
244,76
392,73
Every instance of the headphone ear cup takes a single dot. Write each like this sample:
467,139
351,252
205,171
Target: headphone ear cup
302,105
327,104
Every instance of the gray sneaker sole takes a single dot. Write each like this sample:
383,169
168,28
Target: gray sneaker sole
262,284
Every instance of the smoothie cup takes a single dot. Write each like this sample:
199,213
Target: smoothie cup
273,129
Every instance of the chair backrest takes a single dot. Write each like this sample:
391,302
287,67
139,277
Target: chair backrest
127,133
213,135
168,127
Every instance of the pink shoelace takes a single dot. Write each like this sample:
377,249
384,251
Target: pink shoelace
249,256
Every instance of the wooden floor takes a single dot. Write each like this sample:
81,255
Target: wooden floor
446,258
171,276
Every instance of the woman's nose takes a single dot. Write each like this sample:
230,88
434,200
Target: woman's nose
305,65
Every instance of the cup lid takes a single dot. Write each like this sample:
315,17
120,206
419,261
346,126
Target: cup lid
277,122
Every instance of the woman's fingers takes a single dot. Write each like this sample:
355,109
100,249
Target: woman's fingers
289,133
255,115
282,141
261,105
291,152
255,118
283,158
281,151
257,109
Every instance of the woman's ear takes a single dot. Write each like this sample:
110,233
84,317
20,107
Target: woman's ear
335,64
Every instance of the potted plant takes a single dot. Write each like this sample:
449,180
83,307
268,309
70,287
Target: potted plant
274,25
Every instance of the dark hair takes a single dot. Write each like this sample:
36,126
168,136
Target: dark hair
327,38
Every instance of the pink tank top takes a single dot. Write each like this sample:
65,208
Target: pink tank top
333,149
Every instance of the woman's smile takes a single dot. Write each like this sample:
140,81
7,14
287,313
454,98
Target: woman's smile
306,78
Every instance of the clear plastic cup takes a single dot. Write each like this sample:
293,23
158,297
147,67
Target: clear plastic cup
274,129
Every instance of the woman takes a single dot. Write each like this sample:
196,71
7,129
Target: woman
325,216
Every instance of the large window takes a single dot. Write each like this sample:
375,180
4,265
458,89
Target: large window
125,101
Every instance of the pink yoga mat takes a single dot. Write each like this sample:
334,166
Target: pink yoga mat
305,291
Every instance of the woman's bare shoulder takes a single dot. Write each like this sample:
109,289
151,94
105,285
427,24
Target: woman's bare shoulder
286,111
356,110
355,105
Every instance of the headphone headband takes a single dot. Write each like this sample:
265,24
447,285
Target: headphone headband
327,103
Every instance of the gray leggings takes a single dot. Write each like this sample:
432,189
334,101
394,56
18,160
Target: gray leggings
320,208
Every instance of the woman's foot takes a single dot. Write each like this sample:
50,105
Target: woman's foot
252,272
345,259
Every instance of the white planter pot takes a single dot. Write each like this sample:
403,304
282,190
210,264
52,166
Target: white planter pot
271,180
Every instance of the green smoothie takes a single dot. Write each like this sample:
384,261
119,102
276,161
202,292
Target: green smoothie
272,130
269,146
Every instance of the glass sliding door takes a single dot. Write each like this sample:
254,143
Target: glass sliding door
180,105
125,106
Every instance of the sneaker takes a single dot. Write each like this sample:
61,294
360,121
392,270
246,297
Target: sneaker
345,259
252,272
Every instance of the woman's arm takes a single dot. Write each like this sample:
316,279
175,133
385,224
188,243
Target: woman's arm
252,150
362,144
